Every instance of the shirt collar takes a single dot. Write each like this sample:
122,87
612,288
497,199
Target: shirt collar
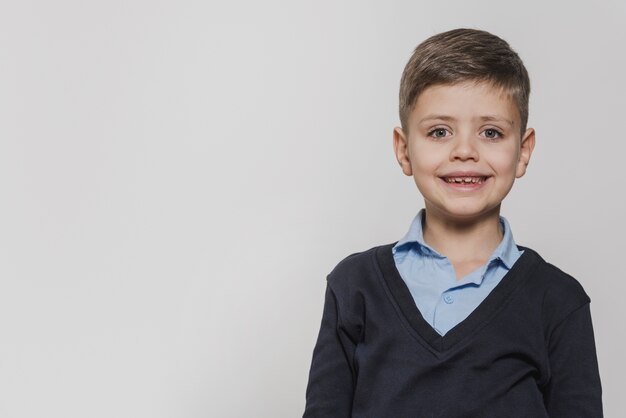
415,235
507,252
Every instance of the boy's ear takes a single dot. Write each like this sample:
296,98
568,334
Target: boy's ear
526,150
401,149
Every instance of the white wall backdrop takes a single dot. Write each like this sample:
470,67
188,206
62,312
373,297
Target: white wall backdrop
178,177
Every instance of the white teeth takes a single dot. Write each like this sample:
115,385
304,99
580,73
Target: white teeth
465,180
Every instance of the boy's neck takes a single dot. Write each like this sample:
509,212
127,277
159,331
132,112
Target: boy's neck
463,241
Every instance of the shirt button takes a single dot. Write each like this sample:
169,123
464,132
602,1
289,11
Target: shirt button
448,299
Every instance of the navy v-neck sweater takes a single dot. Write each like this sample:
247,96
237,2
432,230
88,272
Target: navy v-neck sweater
526,351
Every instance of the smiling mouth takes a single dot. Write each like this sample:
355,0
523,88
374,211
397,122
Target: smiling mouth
465,180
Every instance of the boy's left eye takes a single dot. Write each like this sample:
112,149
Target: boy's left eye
492,133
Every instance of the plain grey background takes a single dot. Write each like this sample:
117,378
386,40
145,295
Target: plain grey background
178,177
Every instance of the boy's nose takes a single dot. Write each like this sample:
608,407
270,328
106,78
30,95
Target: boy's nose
463,148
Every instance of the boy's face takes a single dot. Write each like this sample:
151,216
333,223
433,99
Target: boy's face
464,148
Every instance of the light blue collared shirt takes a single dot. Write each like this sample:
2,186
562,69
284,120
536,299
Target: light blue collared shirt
443,300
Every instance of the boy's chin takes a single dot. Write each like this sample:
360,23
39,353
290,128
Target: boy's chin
464,214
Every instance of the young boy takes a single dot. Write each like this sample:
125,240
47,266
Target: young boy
455,320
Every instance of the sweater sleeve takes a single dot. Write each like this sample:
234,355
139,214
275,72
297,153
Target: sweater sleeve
330,387
574,389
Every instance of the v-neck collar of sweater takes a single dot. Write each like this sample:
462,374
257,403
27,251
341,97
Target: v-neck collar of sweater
495,301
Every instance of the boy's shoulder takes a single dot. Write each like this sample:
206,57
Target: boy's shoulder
358,266
553,278
560,292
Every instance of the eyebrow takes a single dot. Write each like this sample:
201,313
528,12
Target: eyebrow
494,118
437,117
486,118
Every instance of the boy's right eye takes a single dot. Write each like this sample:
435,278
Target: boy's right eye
438,133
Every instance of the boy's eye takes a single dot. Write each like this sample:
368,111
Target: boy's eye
438,133
492,133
